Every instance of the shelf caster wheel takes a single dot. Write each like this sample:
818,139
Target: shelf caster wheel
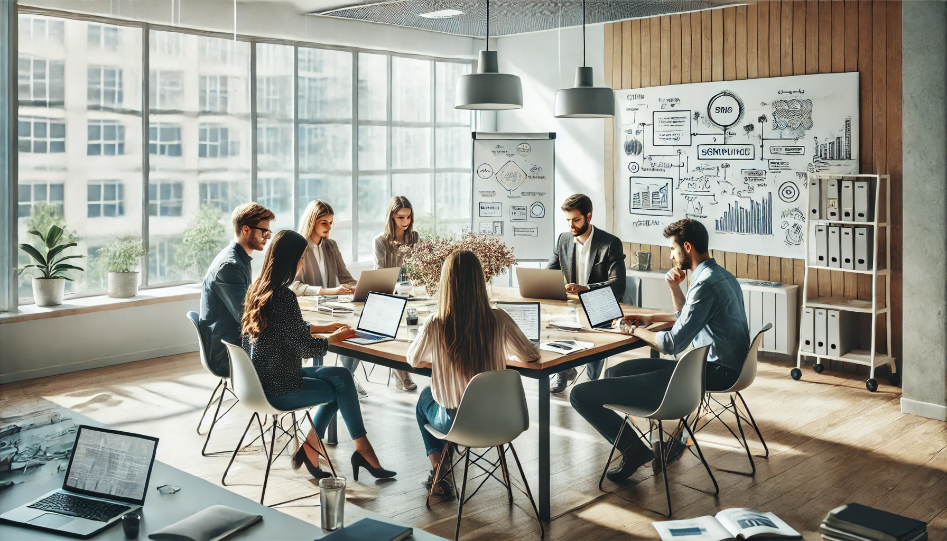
895,379
818,367
872,385
796,374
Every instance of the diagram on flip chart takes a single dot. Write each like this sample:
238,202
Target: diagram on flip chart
733,155
513,181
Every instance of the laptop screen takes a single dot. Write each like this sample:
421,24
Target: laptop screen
111,464
600,306
382,314
526,316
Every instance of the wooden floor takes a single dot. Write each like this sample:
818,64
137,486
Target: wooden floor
831,442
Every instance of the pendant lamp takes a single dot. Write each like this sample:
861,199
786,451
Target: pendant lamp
488,88
584,100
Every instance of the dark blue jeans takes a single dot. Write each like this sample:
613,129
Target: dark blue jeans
350,363
429,411
329,385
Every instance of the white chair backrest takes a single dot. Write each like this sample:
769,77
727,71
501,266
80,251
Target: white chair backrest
194,318
686,387
492,411
246,383
748,374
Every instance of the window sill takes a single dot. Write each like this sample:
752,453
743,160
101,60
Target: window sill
101,303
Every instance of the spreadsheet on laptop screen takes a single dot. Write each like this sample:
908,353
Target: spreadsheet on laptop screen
111,464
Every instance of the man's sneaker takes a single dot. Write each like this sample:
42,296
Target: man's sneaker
444,486
562,380
362,393
630,464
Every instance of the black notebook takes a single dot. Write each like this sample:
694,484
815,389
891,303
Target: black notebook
873,524
370,530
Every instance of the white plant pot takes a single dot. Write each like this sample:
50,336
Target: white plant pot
48,291
123,284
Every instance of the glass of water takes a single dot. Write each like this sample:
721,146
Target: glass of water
332,500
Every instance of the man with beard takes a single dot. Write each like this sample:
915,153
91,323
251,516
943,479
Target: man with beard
226,283
711,314
589,258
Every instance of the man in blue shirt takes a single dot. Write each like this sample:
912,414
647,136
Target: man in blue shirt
226,283
711,313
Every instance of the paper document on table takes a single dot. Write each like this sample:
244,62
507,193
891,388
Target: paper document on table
565,347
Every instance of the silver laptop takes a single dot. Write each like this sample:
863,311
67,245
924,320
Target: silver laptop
380,319
377,281
526,316
601,309
541,284
107,477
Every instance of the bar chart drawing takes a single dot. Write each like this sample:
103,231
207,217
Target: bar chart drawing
756,218
650,196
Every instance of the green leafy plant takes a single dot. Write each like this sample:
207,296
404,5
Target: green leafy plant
204,238
43,215
53,244
123,254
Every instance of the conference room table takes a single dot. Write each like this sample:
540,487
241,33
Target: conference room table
392,354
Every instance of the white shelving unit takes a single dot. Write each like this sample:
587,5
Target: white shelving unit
871,357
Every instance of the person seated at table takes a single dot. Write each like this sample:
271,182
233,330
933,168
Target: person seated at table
590,258
711,313
464,338
399,231
226,282
323,271
278,339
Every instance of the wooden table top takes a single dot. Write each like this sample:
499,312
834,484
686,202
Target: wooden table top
550,310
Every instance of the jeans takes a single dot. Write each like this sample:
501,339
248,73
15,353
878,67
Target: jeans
638,382
594,369
350,363
429,411
332,385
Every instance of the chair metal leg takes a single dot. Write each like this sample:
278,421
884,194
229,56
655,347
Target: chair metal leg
207,407
746,445
756,428
269,461
262,433
324,452
463,490
703,460
214,420
223,480
506,473
529,493
664,467
437,476
611,454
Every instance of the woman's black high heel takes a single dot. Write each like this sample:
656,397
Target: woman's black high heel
358,461
315,471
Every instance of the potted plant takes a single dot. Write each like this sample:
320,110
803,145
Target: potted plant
121,256
423,260
48,289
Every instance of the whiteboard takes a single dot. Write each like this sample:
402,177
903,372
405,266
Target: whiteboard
733,155
513,183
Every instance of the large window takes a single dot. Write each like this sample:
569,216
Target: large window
41,80
106,138
106,88
106,199
275,68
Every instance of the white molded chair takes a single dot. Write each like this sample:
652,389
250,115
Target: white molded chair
747,376
492,413
246,384
221,386
682,397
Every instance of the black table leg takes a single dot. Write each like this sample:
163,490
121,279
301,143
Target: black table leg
333,436
544,469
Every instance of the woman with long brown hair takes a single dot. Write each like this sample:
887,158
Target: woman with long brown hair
399,231
464,338
278,339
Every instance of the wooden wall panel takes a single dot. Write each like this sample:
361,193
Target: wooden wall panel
773,39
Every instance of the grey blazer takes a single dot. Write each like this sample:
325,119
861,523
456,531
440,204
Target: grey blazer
606,261
309,275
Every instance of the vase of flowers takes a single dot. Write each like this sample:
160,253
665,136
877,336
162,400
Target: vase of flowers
423,260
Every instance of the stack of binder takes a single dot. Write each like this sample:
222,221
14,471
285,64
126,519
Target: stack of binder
842,199
855,522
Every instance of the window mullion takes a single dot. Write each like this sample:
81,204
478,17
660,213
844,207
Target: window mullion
294,204
433,163
355,121
145,156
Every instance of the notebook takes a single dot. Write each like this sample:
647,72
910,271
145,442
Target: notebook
872,523
735,523
215,523
370,530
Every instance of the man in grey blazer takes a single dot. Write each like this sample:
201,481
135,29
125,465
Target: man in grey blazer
589,258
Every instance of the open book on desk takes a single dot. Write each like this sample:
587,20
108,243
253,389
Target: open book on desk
735,523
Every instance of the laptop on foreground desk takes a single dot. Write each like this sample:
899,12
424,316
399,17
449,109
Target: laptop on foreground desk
380,319
601,308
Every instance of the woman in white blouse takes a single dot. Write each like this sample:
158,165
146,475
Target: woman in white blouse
464,338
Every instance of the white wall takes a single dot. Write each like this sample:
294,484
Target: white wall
545,64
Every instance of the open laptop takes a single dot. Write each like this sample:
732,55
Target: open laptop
601,308
526,316
107,477
376,281
541,284
380,319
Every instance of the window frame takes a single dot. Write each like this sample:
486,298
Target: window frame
101,201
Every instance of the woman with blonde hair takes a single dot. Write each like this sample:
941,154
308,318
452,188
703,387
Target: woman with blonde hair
399,231
323,271
464,338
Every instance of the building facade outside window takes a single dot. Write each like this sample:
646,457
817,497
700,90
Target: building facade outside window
106,198
106,88
105,138
41,135
39,192
165,140
40,80
165,198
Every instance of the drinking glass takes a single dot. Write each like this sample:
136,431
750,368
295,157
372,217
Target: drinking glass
332,500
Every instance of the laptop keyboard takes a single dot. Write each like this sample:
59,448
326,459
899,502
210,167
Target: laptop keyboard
369,337
77,506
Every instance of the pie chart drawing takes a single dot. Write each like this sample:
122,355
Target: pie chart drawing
537,210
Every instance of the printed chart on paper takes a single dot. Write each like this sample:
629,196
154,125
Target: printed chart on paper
513,191
733,155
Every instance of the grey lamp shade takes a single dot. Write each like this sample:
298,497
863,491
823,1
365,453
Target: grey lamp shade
488,89
585,100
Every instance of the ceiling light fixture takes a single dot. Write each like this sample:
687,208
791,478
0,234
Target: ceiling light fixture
488,89
585,100
442,14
